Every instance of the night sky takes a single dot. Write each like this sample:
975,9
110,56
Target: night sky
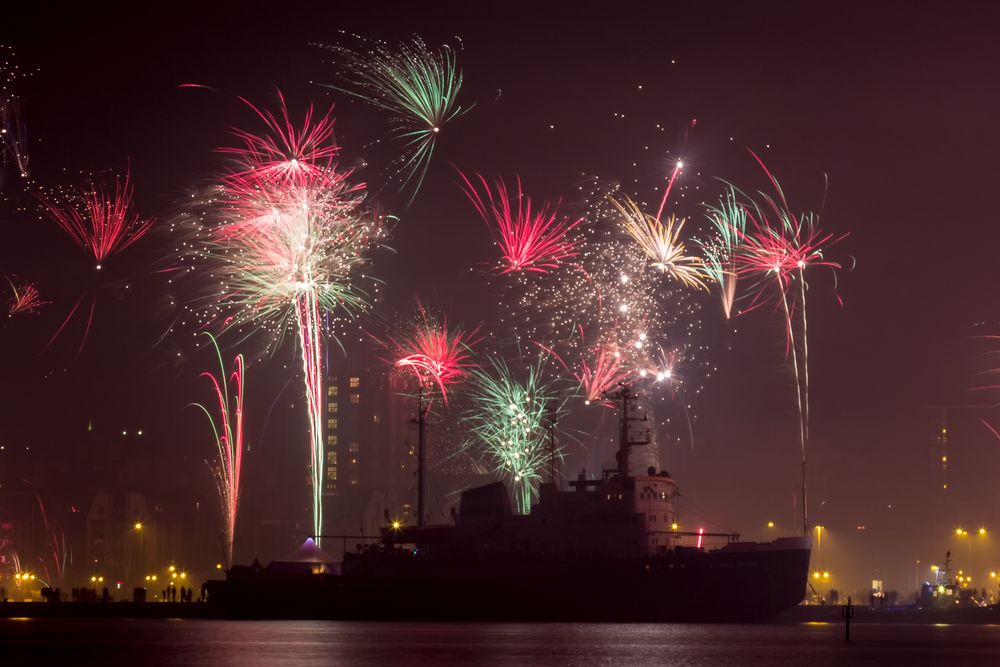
895,104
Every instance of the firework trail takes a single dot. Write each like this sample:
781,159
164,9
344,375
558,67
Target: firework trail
670,185
779,248
508,420
529,240
58,555
24,298
416,86
436,353
661,243
729,220
228,435
285,238
13,133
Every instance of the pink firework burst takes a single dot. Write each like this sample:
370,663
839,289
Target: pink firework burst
780,251
284,153
24,298
436,353
104,224
529,239
603,368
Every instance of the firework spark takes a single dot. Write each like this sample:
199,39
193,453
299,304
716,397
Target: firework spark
24,298
100,221
416,86
228,436
436,353
13,133
530,240
661,243
609,301
508,420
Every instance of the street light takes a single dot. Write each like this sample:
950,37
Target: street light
138,526
961,532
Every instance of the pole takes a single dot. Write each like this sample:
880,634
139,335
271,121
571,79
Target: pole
848,612
805,518
552,442
623,451
420,454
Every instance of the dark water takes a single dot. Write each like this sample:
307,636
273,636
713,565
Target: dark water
251,643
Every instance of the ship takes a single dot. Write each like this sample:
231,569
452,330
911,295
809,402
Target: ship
605,549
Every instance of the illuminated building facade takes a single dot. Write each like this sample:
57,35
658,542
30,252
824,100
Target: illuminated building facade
369,455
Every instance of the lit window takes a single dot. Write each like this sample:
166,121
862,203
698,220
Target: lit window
354,382
354,448
332,389
331,424
355,399
331,408
331,472
376,419
331,458
354,481
331,440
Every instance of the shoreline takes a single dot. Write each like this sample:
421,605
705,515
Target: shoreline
803,614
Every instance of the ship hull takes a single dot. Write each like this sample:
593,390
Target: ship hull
748,584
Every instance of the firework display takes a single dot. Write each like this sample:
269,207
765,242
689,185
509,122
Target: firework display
438,355
530,240
661,243
100,220
608,316
509,421
416,86
227,434
776,250
24,298
285,232
589,293
729,220
13,133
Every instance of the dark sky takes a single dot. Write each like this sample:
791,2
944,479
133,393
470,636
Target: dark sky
896,103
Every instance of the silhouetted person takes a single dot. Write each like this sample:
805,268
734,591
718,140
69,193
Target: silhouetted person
173,594
163,595
105,595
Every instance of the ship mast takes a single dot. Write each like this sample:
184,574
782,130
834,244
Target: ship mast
552,441
421,423
628,399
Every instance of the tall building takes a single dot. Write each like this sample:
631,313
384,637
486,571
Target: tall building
368,461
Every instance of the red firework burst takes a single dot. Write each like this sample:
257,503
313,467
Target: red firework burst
24,298
284,153
104,224
436,353
529,239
